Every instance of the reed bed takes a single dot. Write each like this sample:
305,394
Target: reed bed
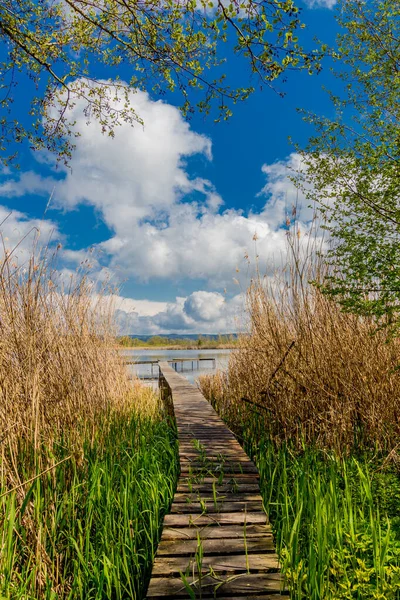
323,376
88,464
313,394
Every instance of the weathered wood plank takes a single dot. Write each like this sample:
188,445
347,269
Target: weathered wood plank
233,445
217,546
241,585
209,452
220,497
230,518
227,478
218,467
215,532
229,563
219,506
207,488
220,457
265,596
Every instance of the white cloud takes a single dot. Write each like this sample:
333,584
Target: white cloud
320,3
202,246
143,307
20,233
164,222
204,306
138,174
282,194
200,312
28,183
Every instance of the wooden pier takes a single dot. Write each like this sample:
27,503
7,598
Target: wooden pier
216,541
174,361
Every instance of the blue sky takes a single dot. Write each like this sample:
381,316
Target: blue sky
169,211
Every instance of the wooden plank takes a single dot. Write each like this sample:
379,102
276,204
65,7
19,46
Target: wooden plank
218,457
212,454
212,433
215,462
230,479
226,479
240,585
230,518
212,450
230,563
221,506
220,497
204,487
231,445
218,546
204,436
227,468
215,532
217,467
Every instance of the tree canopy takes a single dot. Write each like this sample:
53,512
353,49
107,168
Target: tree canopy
76,49
352,164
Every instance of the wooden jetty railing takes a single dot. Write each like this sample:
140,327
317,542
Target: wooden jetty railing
174,362
216,541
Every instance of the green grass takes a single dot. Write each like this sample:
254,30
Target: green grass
89,528
336,520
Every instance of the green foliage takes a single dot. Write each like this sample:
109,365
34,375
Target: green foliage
204,342
98,516
351,166
169,45
336,520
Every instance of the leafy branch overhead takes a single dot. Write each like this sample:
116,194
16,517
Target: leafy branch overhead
352,164
72,49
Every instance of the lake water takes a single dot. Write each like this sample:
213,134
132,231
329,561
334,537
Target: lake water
191,369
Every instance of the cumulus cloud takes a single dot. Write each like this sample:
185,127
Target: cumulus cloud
138,174
146,308
166,222
204,306
282,194
320,3
200,312
20,233
201,246
28,183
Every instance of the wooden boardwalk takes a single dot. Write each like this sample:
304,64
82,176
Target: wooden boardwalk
216,541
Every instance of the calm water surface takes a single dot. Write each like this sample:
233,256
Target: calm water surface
205,366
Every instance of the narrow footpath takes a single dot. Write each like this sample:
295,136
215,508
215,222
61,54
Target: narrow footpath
216,541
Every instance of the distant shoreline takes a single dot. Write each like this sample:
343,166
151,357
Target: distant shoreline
198,348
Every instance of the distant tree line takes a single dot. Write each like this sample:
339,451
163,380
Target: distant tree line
158,340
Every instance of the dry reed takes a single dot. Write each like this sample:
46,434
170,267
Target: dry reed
63,386
322,376
57,360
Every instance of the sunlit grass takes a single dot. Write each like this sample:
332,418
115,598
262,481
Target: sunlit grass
335,519
97,517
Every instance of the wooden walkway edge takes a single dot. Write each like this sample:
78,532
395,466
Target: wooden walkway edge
216,541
